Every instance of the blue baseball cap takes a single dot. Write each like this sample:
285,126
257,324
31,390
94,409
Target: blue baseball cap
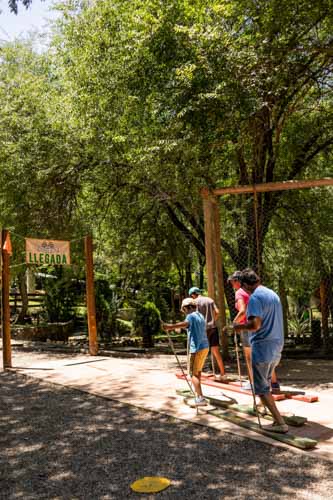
194,289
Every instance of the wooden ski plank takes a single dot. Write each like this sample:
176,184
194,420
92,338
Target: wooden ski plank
289,394
227,387
298,442
307,398
293,420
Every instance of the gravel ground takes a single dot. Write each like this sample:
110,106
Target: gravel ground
59,443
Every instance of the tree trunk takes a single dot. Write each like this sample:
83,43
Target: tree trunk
24,297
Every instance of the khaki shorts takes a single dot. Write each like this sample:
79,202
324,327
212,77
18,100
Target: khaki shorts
197,361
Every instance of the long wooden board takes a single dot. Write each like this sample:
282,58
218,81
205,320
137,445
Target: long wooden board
303,443
280,396
289,394
228,387
293,420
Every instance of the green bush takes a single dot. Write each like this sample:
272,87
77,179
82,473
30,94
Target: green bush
147,322
298,326
124,328
61,298
107,305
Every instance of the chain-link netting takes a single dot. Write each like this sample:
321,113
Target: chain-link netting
287,238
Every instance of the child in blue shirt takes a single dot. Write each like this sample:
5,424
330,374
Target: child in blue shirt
198,344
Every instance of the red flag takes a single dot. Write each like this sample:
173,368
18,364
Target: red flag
7,246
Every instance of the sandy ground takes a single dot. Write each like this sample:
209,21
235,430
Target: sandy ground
59,443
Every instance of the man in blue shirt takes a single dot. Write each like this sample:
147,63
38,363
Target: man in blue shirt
198,344
265,324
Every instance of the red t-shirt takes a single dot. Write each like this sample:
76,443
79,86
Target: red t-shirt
241,294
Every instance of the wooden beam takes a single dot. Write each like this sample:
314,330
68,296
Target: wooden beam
91,308
209,241
6,340
219,278
272,186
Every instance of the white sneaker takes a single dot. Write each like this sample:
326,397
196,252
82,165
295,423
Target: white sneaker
200,401
221,378
246,386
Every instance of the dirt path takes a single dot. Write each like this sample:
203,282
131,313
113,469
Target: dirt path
59,443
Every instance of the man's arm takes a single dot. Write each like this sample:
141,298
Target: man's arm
252,325
216,312
173,326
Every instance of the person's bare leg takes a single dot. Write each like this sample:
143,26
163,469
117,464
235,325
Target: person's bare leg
217,355
197,384
274,378
247,354
267,400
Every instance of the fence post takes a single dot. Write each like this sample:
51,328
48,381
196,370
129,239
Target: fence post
5,316
91,308
219,278
209,240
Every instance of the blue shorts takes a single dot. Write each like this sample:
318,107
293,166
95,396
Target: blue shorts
262,375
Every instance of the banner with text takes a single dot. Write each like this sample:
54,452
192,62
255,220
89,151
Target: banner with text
47,252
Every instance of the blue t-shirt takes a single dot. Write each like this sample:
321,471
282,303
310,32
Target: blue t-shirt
267,342
197,336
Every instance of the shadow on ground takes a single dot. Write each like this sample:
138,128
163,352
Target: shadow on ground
59,443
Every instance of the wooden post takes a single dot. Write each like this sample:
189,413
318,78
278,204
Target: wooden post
209,240
219,277
91,308
6,341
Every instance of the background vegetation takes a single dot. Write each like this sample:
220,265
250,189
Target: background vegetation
136,105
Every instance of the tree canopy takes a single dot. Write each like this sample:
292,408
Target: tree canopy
137,105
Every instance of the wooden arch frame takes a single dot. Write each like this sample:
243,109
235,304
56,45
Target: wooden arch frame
214,268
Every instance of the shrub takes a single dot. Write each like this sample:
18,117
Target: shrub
60,300
107,305
147,322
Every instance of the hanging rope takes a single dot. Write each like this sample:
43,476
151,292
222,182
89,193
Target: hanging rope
255,195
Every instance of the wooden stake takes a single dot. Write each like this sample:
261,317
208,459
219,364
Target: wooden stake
6,340
220,280
209,241
91,308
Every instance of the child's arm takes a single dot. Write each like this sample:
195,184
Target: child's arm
173,326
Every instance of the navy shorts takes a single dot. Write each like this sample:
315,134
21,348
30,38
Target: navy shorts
245,336
262,375
213,337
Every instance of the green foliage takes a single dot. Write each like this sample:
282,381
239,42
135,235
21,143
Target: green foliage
62,295
140,103
107,304
298,326
124,328
148,322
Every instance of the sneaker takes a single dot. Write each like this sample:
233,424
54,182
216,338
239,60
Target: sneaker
246,386
221,378
275,427
200,401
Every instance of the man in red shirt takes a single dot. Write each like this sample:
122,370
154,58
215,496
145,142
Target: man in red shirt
241,302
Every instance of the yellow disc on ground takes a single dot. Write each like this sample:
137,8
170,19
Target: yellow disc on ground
150,484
